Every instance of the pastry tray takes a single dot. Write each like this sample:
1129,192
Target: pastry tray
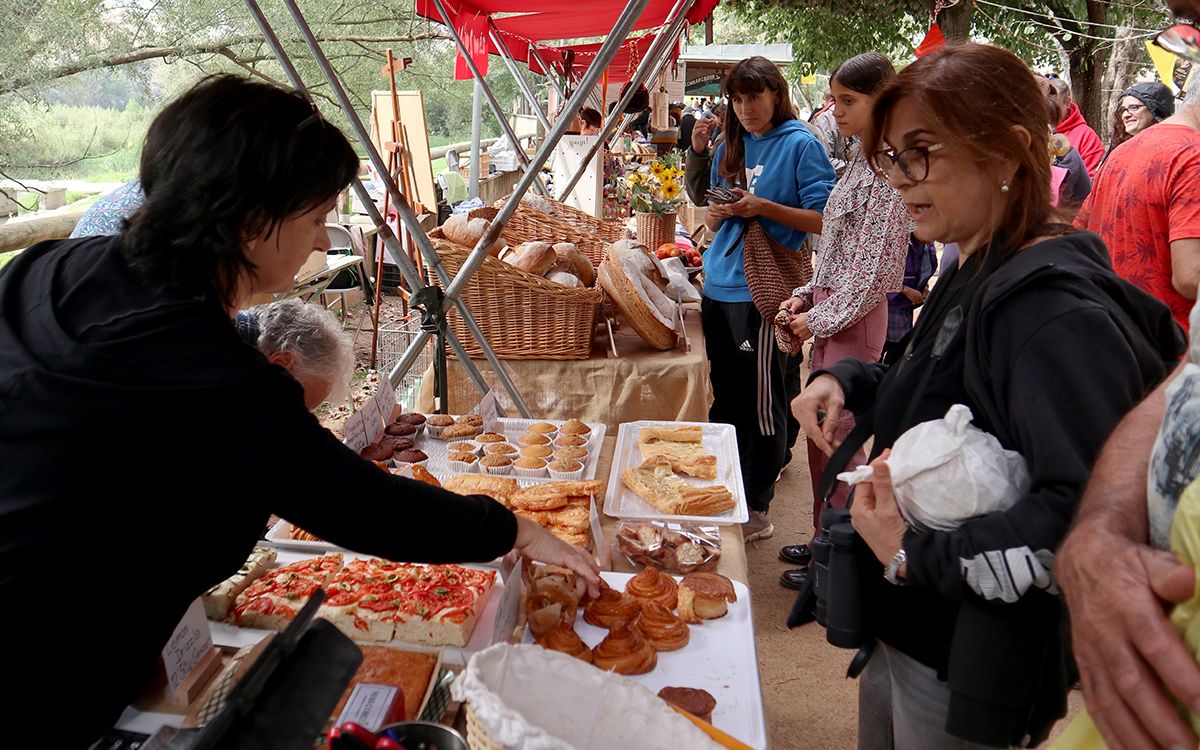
512,429
718,439
492,626
720,657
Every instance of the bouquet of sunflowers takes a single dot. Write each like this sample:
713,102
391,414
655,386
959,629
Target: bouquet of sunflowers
654,188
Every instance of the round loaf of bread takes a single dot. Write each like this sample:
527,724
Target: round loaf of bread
575,262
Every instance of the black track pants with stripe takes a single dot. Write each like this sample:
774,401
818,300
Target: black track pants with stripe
753,384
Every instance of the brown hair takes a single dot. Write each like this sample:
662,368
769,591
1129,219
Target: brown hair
865,73
750,76
976,94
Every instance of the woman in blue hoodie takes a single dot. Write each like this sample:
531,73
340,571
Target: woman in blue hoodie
783,177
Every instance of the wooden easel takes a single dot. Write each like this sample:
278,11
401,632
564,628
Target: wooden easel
400,168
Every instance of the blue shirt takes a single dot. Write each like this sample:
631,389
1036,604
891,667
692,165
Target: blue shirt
107,216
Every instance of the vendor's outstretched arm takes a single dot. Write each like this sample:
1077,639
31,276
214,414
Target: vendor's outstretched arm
1116,588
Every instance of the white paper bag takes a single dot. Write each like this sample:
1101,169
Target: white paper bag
947,470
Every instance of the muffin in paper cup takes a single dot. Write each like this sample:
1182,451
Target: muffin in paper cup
462,466
543,428
436,424
501,449
496,468
576,427
464,446
530,472
565,470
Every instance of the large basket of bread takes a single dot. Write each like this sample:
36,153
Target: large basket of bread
635,280
608,231
533,300
528,224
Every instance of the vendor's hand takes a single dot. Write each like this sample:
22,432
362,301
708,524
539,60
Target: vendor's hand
536,543
748,206
822,396
702,133
912,295
1127,651
719,211
798,325
875,515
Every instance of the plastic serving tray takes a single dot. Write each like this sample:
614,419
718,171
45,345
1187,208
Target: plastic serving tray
718,439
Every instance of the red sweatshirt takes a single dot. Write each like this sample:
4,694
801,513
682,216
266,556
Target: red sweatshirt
1083,138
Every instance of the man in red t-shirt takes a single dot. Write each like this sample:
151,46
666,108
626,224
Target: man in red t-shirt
1145,204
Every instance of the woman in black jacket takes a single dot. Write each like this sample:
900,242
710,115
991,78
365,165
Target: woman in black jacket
1047,347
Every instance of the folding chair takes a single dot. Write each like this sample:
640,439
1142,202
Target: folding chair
348,279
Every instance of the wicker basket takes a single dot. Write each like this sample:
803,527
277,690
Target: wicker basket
523,316
655,229
530,225
608,231
478,737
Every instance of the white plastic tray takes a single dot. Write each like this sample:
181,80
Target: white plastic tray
228,635
718,439
720,657
512,429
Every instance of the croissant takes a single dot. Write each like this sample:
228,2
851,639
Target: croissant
651,584
625,652
562,637
703,596
661,628
611,609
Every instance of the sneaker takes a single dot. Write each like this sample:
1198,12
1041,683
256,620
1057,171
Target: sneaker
758,527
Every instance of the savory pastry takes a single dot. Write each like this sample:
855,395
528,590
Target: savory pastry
497,488
220,598
698,703
562,637
648,544
704,596
661,628
539,497
655,482
624,651
611,609
679,446
651,584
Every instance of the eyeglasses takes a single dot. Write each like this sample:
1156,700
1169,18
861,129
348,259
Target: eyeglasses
1131,109
1181,39
913,162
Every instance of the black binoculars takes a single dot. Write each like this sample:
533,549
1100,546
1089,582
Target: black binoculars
841,561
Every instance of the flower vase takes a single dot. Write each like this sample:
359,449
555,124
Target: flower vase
655,229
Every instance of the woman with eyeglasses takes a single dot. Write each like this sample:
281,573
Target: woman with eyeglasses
860,260
1047,347
1140,107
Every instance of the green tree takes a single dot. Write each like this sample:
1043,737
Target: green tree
1084,33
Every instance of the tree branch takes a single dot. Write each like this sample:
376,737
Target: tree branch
221,47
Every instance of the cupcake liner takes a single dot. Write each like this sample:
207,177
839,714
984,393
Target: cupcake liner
581,459
566,476
539,473
462,467
504,470
490,448
476,448
435,431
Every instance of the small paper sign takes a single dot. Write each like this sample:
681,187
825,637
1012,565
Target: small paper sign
356,432
487,410
372,706
187,646
510,605
387,397
377,415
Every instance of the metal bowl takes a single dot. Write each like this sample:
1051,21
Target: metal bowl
424,735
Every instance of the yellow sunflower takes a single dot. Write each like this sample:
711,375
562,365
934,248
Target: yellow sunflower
657,169
670,189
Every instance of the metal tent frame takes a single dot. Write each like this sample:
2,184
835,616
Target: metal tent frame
454,286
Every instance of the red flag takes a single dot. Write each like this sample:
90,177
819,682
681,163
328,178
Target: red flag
473,29
933,41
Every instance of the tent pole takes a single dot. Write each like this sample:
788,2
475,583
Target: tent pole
497,110
549,73
604,56
476,134
404,211
650,62
514,71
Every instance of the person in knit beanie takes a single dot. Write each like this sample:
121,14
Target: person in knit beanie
1141,106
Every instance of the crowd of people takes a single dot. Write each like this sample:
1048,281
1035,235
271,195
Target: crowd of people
1060,315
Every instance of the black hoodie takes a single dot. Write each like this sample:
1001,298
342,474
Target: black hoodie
1053,351
143,447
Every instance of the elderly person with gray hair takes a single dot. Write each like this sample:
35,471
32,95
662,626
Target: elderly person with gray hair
307,341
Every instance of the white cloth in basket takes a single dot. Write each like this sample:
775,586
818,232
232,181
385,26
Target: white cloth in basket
529,698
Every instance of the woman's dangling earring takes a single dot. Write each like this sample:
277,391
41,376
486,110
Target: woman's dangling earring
1004,186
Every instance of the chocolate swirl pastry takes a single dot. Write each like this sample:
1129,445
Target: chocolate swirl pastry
651,584
611,609
661,628
624,651
562,637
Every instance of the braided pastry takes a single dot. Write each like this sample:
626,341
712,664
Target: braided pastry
661,628
651,584
562,637
611,609
625,652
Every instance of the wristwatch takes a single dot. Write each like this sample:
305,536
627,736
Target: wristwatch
893,568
